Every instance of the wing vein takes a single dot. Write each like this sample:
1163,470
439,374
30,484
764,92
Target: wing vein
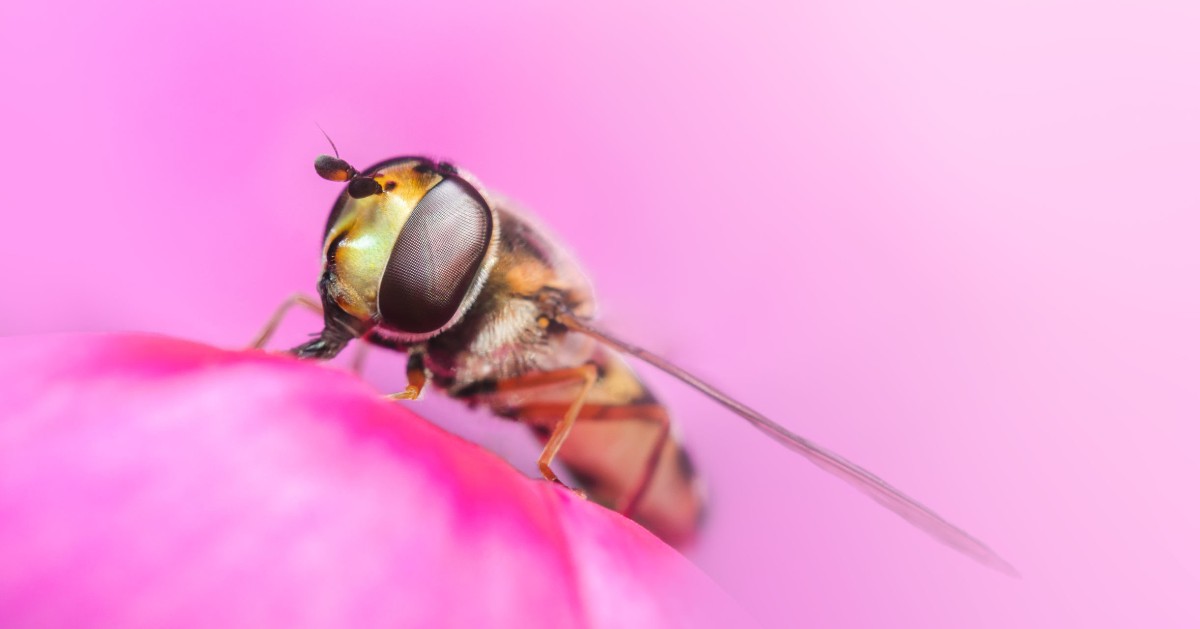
878,489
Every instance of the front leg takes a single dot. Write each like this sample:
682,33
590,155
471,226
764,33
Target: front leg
298,299
416,378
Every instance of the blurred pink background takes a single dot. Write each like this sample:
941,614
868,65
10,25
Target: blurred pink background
955,244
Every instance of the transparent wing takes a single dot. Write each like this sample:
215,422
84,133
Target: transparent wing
916,513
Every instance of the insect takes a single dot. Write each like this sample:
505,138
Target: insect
420,258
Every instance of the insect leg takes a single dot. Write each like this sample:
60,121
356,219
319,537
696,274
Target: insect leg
360,358
416,378
629,497
585,375
298,299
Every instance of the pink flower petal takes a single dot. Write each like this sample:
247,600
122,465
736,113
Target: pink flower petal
154,482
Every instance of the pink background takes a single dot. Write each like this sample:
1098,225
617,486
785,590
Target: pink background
957,245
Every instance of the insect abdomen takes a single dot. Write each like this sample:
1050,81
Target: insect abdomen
611,451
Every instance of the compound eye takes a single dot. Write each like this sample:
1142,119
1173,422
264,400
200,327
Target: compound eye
435,259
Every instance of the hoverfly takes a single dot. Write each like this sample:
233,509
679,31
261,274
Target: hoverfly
419,258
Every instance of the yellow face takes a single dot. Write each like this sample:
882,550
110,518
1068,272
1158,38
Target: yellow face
365,230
